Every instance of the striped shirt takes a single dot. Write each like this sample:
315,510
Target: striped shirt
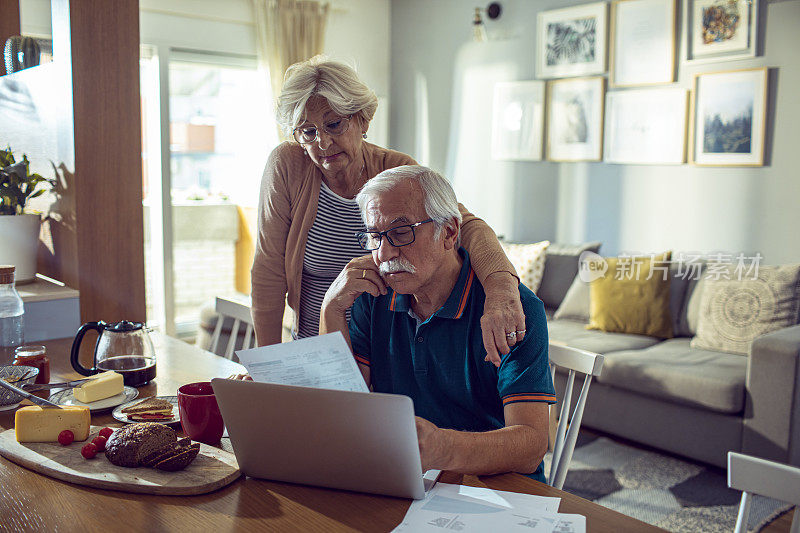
331,245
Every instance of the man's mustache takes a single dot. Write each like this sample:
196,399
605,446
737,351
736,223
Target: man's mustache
398,264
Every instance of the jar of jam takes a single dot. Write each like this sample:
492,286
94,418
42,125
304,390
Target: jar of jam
33,355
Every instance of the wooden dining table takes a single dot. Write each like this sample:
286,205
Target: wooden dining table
33,502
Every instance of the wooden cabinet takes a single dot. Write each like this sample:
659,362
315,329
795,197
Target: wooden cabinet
82,116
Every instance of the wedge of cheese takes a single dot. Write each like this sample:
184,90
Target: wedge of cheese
101,386
36,424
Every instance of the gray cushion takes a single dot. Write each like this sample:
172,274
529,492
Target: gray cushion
560,267
690,310
574,333
575,305
672,370
678,284
687,270
736,308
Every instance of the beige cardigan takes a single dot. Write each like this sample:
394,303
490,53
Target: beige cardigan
287,209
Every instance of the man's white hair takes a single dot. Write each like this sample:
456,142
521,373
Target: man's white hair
439,198
337,82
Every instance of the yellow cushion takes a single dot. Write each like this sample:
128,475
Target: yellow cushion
624,300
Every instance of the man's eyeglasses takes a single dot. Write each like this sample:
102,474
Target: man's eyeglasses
308,133
398,236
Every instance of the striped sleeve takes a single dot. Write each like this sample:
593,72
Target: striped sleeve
529,397
360,359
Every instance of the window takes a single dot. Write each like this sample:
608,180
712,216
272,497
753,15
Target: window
221,129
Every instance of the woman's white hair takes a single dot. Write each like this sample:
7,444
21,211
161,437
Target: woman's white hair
439,198
337,82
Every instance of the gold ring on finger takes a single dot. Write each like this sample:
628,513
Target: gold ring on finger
363,273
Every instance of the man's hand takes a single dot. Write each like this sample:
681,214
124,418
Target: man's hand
241,377
359,276
502,316
433,445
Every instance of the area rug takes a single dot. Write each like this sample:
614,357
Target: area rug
668,492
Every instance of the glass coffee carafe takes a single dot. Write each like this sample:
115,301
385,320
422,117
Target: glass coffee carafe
124,347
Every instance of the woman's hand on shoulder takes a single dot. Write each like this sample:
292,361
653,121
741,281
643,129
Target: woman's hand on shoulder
503,320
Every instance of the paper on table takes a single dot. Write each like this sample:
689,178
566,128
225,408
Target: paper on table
323,362
570,523
459,507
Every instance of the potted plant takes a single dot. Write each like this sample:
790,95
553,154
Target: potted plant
19,230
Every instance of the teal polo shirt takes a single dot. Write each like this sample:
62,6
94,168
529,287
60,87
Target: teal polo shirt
439,363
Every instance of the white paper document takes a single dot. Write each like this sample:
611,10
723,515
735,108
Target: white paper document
323,362
449,507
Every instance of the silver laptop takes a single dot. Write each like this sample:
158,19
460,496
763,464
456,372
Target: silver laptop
359,441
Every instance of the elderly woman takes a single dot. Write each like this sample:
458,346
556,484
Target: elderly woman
308,215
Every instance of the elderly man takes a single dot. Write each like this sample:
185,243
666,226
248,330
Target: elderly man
415,330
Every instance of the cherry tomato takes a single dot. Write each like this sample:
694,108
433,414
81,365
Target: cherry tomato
66,437
89,451
100,443
106,432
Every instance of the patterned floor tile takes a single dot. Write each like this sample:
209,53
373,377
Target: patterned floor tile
715,519
656,472
605,453
648,505
678,495
591,484
705,489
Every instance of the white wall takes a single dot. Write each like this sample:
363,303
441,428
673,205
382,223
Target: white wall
627,207
358,33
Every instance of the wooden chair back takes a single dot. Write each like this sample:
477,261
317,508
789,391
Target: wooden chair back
575,361
753,475
240,312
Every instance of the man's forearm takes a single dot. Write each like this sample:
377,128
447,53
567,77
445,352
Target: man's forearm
510,449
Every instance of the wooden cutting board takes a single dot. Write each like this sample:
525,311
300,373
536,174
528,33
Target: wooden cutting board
212,469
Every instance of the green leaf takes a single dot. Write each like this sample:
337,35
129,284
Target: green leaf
17,190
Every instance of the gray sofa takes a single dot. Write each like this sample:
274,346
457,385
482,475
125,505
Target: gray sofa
666,394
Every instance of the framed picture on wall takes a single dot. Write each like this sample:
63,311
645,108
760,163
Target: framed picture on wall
572,41
643,42
646,126
518,121
729,118
716,30
575,119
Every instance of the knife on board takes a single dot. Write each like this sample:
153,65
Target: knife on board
28,396
35,387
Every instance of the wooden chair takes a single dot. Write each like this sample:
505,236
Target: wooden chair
575,361
240,312
753,475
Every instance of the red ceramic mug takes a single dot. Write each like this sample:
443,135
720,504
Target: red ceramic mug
199,412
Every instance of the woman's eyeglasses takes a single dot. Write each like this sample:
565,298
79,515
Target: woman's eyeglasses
397,236
308,133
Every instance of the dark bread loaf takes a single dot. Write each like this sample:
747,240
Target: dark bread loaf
180,459
181,445
128,446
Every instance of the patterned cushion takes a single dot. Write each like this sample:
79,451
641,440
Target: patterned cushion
528,259
737,309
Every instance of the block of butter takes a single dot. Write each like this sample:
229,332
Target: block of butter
35,424
101,386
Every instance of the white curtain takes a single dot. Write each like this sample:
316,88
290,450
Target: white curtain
288,31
